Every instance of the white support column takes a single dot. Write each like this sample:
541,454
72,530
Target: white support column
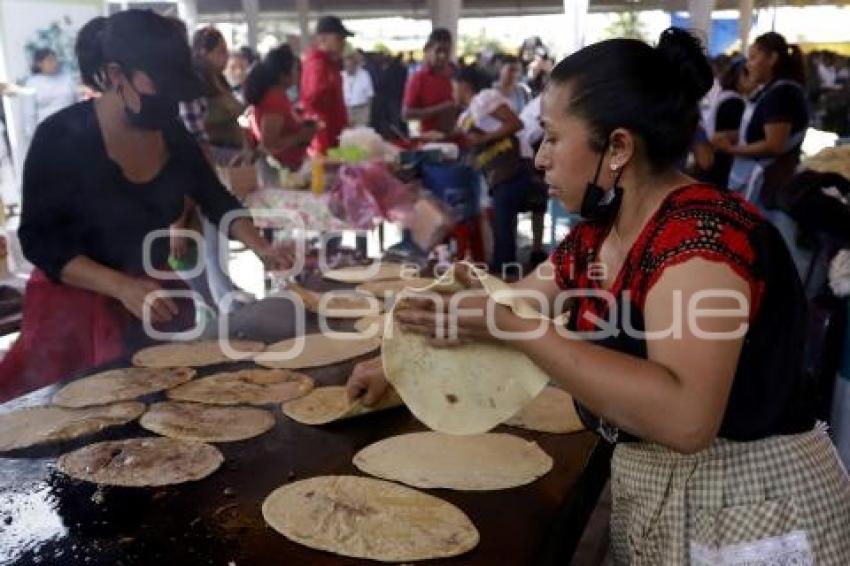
187,10
745,23
575,12
445,14
303,7
700,11
252,16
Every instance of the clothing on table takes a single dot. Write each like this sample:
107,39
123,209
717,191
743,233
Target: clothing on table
276,103
426,88
322,98
52,93
74,207
768,474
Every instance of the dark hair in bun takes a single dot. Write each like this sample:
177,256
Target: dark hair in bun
652,92
266,74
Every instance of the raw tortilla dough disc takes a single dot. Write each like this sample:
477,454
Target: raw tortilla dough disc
327,404
248,386
393,287
374,325
379,272
467,389
195,354
551,411
318,350
141,462
41,425
339,304
206,423
369,518
119,385
469,463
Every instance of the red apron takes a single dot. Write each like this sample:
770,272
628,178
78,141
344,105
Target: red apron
64,330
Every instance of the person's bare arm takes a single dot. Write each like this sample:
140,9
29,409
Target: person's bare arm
273,140
776,136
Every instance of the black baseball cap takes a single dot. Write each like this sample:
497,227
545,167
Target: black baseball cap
332,24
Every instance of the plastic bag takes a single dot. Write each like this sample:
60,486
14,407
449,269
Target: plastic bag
364,195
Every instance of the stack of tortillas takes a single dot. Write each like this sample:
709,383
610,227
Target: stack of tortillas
41,425
551,411
119,385
370,519
373,272
393,286
316,350
248,386
206,423
339,304
374,325
324,405
467,389
470,463
197,354
141,462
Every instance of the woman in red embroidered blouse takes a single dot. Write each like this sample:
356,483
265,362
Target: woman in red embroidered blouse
690,323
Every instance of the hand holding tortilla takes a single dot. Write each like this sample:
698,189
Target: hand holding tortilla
367,382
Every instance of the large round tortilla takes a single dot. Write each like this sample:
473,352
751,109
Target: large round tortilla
248,386
119,385
195,354
318,350
206,423
470,463
393,286
324,405
141,462
339,304
380,272
41,425
374,325
551,411
467,389
370,519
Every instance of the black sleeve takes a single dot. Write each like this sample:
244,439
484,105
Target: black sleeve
48,232
785,103
729,115
206,189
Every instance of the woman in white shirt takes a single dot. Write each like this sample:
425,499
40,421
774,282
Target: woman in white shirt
490,128
53,89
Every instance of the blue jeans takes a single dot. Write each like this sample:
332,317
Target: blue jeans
508,198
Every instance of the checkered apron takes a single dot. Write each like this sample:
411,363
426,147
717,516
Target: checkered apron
783,500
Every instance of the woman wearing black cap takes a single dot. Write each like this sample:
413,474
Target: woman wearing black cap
686,321
101,178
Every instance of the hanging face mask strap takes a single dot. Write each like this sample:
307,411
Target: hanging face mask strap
592,204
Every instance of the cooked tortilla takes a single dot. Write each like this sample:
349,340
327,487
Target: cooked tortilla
196,354
206,423
318,350
339,304
324,405
469,463
23,428
468,389
141,462
373,325
369,519
394,286
245,387
119,385
551,411
379,272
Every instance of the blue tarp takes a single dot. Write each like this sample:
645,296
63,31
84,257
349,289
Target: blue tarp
724,32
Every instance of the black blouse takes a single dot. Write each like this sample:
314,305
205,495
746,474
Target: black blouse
76,200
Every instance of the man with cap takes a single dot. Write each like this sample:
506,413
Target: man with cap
321,83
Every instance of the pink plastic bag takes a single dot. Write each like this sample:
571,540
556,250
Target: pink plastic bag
365,194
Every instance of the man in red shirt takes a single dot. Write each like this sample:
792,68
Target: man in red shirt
321,84
428,94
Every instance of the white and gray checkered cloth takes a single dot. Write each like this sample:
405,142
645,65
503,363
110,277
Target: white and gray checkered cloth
778,501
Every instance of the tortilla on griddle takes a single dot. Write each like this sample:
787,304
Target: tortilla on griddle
369,518
23,428
196,354
379,272
324,405
475,462
551,411
244,387
142,462
206,423
318,350
121,384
